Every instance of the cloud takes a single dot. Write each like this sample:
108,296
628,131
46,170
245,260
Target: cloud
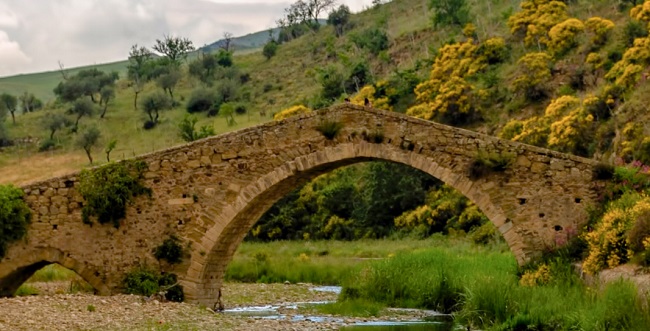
11,56
84,32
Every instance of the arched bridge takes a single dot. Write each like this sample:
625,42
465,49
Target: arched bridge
211,192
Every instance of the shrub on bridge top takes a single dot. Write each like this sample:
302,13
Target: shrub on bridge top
330,129
486,163
14,216
108,189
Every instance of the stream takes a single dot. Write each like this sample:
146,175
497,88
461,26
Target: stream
433,321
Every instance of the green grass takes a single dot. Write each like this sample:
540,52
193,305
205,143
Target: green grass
51,273
352,308
481,288
25,290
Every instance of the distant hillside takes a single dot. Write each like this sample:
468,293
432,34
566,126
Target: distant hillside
247,42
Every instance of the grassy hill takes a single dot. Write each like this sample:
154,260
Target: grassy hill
295,75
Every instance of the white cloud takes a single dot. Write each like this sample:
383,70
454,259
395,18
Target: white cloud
83,32
11,56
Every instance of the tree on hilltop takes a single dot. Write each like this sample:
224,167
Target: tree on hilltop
174,48
29,103
80,108
152,105
55,122
339,19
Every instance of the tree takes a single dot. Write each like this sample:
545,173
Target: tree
29,102
9,103
106,95
339,19
270,48
174,48
88,83
449,12
89,139
139,68
188,132
109,148
153,104
227,41
80,108
168,82
54,122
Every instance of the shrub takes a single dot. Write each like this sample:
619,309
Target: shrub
188,132
563,36
170,250
240,109
632,31
144,281
108,189
269,50
291,111
14,216
533,73
47,144
202,100
449,12
329,129
603,171
376,136
374,40
486,163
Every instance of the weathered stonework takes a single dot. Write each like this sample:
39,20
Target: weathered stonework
210,193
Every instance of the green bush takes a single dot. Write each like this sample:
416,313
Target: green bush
330,129
202,100
143,281
14,216
46,145
374,40
486,163
108,189
170,250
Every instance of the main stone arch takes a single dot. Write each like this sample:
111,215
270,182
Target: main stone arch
210,192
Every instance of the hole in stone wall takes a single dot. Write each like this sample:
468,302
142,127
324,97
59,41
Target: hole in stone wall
68,183
541,215
180,222
578,200
55,226
557,228
522,201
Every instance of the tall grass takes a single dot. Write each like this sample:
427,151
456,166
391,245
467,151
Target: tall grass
318,262
481,288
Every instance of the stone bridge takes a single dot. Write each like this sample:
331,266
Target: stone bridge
210,193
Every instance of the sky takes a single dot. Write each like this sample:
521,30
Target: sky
35,35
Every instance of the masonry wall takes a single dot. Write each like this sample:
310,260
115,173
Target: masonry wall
211,192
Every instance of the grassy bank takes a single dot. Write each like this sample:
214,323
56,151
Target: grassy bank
482,288
318,262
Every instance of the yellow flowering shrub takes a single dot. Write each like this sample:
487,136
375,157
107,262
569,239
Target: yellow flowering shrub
599,30
595,60
423,111
608,243
453,98
561,106
291,111
469,31
533,72
540,276
571,133
641,12
536,19
419,216
511,129
626,72
494,50
534,131
369,92
564,36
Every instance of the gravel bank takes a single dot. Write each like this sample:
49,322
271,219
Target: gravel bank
128,312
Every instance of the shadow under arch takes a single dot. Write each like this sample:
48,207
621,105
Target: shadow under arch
205,275
23,269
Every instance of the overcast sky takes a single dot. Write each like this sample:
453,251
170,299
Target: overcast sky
35,35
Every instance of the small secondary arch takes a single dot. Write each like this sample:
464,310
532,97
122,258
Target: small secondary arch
22,269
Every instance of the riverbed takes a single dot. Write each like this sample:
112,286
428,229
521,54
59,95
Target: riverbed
53,310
